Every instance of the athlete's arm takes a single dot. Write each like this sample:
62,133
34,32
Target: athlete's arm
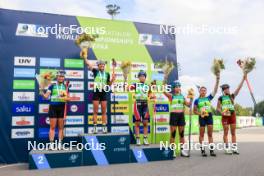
110,82
195,110
89,65
45,95
219,106
216,85
240,85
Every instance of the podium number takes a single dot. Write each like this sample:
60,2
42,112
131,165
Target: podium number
139,154
40,160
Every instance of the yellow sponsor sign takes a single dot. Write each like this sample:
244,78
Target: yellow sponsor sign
99,119
120,108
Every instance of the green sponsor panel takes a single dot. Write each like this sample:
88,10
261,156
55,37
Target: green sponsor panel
73,63
24,84
258,121
217,123
53,71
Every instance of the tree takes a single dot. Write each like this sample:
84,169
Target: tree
241,111
259,108
112,10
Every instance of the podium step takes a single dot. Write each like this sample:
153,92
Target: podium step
144,154
106,149
47,159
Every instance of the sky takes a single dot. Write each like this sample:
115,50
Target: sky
243,37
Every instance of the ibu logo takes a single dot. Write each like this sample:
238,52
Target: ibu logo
22,108
73,158
122,140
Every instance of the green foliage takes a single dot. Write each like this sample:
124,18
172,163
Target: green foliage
241,111
259,108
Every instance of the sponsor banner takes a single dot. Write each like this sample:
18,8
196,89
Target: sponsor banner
139,66
90,108
44,132
22,120
75,108
23,96
23,108
74,96
119,76
162,108
76,85
49,62
74,74
24,72
90,86
99,120
31,30
22,133
119,119
162,129
73,63
73,131
120,108
118,65
43,100
90,74
91,130
150,39
156,67
119,97
24,84
24,61
160,97
120,129
74,120
43,108
157,76
43,121
162,118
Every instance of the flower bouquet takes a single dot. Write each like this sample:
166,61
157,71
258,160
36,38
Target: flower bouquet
247,65
84,41
190,94
166,67
45,79
126,68
217,66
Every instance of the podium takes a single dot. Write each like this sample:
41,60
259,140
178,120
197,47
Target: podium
144,154
99,149
106,149
47,159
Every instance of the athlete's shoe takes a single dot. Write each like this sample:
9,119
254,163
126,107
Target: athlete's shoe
203,153
184,153
138,141
95,129
59,145
235,152
52,146
145,141
228,152
212,153
104,129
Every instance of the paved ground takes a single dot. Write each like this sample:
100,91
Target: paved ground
249,163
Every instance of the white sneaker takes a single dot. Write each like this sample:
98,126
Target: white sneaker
145,141
184,153
138,141
52,146
95,129
104,129
60,145
228,151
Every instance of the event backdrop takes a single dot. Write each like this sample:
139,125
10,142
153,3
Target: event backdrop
26,50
